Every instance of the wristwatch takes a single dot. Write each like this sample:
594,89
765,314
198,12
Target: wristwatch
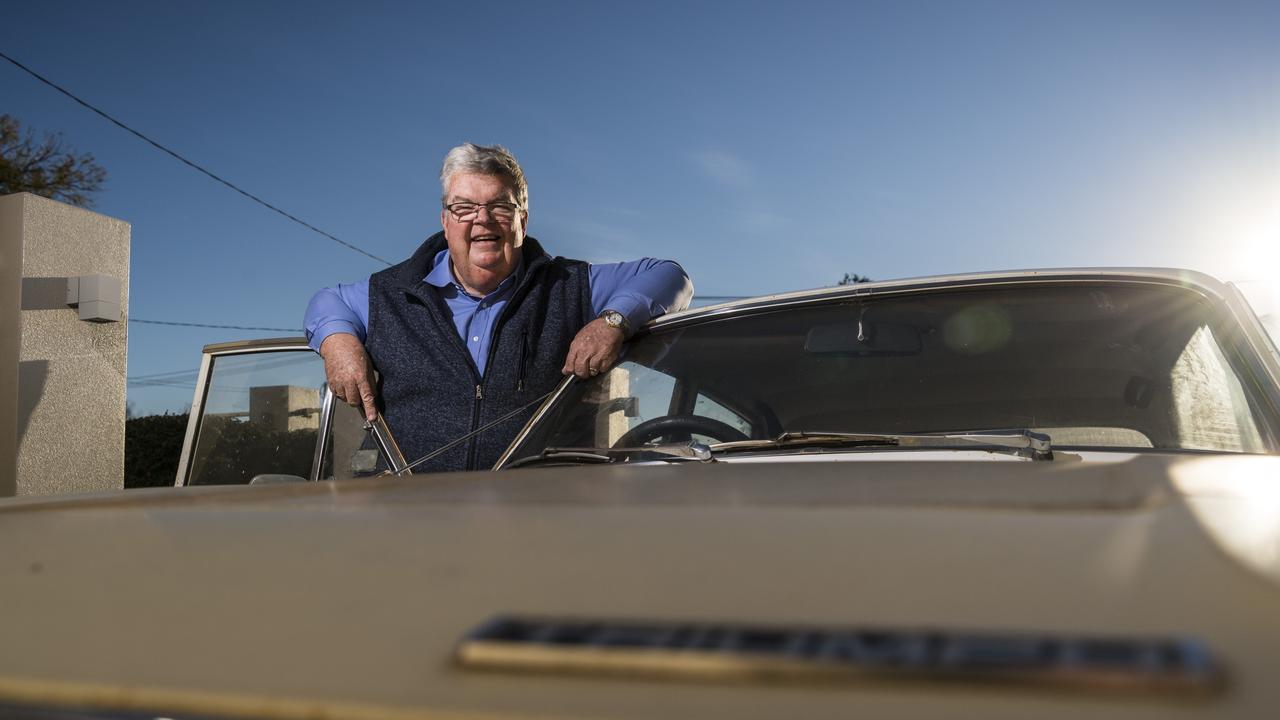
615,319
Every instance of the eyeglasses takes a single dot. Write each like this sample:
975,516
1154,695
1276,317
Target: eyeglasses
503,212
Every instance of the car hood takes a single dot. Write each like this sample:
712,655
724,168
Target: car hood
347,600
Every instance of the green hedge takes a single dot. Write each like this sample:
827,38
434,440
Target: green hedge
152,445
240,450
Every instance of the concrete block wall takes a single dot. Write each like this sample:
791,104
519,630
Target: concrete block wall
62,379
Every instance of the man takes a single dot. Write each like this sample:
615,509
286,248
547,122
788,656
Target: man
481,320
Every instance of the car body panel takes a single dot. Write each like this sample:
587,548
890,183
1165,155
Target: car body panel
347,599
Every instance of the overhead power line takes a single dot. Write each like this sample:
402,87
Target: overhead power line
161,383
221,327
187,162
187,374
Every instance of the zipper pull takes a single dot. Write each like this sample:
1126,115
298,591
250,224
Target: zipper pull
479,393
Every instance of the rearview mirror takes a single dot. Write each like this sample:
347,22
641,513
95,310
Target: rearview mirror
863,338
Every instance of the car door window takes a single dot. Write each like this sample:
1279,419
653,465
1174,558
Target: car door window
261,415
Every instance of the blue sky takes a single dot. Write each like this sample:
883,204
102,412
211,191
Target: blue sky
767,146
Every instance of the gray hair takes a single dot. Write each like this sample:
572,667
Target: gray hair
484,160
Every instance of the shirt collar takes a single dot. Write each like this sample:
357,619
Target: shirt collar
441,274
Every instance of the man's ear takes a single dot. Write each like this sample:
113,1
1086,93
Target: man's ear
442,217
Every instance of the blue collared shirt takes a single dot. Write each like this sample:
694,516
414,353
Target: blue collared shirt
640,290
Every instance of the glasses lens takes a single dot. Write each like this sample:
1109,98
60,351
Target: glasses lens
502,211
463,210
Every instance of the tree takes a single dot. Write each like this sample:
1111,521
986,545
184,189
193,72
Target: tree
44,167
853,279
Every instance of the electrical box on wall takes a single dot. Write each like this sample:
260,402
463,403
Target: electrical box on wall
96,296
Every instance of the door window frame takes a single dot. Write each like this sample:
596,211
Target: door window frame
198,402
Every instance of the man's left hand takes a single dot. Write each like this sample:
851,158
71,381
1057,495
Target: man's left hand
594,349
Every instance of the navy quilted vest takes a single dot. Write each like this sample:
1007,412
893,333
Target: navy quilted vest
432,392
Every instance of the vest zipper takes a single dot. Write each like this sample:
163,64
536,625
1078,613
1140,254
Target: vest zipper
473,447
524,361
475,423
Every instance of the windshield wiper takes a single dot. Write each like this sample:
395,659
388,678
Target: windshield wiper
674,452
1026,443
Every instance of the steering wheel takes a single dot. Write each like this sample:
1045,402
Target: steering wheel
679,427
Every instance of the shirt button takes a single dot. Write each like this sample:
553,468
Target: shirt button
475,339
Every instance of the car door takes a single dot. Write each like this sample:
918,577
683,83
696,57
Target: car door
262,413
256,411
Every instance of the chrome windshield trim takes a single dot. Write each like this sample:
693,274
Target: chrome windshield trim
1262,359
386,442
322,436
1199,282
193,420
537,417
1255,333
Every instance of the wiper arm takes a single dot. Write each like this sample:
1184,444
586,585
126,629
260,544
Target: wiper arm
1024,442
570,455
674,452
789,439
1034,445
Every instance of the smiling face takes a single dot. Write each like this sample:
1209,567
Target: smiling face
484,250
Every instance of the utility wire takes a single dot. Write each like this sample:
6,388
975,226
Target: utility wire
221,327
235,187
188,380
187,162
187,374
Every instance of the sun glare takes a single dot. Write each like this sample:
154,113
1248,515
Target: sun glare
1237,228
1252,244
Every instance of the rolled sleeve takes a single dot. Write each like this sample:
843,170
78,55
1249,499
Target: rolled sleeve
340,309
641,289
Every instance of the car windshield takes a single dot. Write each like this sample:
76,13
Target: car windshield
1092,365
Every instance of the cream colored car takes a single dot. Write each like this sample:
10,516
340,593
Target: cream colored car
1039,494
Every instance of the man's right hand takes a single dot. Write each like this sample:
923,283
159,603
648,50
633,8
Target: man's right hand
349,372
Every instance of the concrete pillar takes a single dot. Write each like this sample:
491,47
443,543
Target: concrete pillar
62,379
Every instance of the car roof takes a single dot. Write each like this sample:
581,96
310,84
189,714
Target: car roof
1192,279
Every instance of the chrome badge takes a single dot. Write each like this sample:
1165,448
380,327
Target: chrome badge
724,651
